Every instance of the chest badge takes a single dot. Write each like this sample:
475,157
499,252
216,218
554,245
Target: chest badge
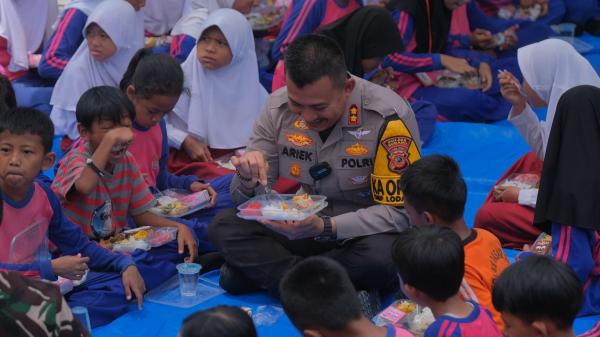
358,180
299,139
357,150
295,170
300,124
359,133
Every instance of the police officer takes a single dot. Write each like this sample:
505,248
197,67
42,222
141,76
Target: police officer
338,136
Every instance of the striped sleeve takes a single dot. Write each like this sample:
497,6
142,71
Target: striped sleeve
63,43
141,197
69,170
304,18
407,62
594,332
443,328
181,47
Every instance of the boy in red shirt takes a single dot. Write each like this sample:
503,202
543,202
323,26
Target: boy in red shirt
435,194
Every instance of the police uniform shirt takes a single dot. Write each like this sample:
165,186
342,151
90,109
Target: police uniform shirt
291,149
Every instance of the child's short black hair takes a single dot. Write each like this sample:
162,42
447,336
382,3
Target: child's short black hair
219,321
318,293
153,74
103,103
8,99
539,288
20,121
431,259
311,57
434,184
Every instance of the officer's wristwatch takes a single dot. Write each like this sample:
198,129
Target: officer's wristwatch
328,234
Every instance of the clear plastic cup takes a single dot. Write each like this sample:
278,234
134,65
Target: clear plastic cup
567,29
81,313
188,278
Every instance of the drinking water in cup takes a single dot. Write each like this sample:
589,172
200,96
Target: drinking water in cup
188,278
81,313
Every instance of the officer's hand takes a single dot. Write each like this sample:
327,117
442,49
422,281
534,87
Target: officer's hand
295,230
252,168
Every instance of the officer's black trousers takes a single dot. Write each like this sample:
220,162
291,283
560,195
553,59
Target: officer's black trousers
263,256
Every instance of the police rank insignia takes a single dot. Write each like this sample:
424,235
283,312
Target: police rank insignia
353,117
299,139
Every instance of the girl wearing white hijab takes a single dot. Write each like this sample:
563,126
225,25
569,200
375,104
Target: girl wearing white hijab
113,34
225,95
66,35
23,26
549,68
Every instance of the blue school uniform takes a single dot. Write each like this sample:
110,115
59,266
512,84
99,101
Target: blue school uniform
63,43
151,149
556,10
456,104
181,47
580,11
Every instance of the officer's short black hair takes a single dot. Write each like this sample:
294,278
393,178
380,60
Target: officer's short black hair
318,293
103,103
435,184
539,288
311,57
21,121
431,259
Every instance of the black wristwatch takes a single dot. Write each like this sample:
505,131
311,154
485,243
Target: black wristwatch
328,234
94,168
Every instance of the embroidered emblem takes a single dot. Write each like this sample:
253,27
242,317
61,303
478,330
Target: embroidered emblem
358,180
357,150
360,132
300,124
353,118
397,149
299,139
295,170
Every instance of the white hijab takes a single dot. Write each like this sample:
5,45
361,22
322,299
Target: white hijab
86,6
223,103
120,21
195,12
552,67
161,15
23,24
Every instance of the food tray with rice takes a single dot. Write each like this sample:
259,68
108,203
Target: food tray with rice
521,181
266,17
282,207
179,203
407,314
144,238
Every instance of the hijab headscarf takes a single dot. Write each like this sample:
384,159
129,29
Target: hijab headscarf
223,103
120,21
191,22
23,24
431,21
86,6
570,181
366,33
552,67
161,15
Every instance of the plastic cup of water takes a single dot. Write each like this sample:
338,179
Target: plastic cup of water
82,315
188,278
567,29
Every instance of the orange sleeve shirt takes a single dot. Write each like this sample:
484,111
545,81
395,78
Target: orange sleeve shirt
484,262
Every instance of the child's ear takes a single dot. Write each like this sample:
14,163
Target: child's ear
541,328
430,218
311,333
349,86
83,131
49,159
410,291
130,92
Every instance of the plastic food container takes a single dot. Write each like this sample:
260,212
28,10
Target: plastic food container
282,207
407,314
266,17
178,203
144,238
521,180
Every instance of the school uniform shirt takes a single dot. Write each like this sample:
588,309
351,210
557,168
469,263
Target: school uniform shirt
122,24
291,149
119,194
411,63
66,37
396,331
150,147
161,15
37,219
484,262
478,323
304,17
